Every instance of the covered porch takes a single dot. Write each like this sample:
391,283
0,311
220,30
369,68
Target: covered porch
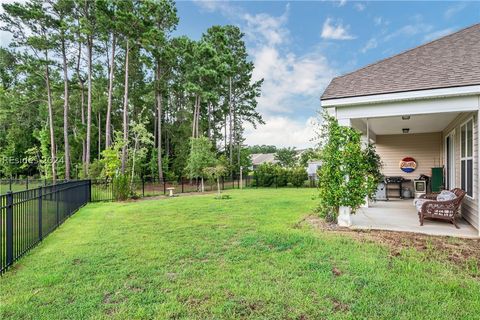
401,215
447,141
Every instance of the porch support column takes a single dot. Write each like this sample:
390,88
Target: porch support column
345,213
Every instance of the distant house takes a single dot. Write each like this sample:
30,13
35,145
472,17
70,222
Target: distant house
261,158
312,168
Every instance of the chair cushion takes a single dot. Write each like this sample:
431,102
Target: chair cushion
446,195
419,203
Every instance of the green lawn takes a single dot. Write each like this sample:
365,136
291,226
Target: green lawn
199,258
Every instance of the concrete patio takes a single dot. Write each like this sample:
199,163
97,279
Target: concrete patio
401,215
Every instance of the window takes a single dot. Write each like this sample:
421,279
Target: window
466,156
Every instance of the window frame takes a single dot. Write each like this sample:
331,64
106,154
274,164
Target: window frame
464,157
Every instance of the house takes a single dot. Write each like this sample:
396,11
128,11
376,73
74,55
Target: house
312,168
261,158
421,104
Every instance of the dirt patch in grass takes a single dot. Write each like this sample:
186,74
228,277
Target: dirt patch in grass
463,252
339,306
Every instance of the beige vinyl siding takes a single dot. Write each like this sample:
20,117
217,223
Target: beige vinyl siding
425,148
469,205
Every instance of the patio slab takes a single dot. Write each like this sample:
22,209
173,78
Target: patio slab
401,215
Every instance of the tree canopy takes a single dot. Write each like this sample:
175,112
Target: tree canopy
85,84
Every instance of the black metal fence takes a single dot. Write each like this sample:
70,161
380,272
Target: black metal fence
26,217
103,190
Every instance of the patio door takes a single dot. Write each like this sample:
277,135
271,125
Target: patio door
450,161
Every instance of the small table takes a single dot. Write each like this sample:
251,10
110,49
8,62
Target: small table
170,191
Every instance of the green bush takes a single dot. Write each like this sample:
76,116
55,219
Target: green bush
298,176
265,175
349,173
121,188
273,175
281,176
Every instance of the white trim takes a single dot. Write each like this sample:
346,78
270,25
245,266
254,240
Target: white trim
466,157
412,107
402,96
452,183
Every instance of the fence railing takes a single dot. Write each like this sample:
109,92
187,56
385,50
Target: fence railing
26,217
103,190
25,184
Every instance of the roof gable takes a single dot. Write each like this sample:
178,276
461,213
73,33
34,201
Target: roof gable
451,61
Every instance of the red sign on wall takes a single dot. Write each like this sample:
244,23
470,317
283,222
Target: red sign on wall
408,164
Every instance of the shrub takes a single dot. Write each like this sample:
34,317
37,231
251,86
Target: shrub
281,176
121,188
298,176
347,174
265,175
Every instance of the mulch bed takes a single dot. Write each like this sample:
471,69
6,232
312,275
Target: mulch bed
459,251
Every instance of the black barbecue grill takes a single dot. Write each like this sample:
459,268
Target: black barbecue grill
391,182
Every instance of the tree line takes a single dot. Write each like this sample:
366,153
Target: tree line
101,88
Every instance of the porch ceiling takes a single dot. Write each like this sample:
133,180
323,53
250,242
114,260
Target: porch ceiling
417,123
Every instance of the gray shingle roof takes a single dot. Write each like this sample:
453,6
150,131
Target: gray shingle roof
451,61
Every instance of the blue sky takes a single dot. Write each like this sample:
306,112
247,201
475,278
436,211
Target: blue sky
298,46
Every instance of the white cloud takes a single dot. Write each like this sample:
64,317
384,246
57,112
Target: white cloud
283,132
453,10
286,75
221,6
341,3
360,6
335,30
292,83
380,21
266,29
371,44
438,34
410,30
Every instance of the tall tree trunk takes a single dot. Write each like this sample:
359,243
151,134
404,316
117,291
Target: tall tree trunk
65,112
108,121
82,98
53,148
125,111
89,105
194,121
159,124
198,118
99,136
209,120
225,134
230,111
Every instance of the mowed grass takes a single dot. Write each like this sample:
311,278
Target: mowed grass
195,257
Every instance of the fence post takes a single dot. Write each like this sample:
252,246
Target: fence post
10,184
181,179
164,187
9,231
276,182
26,181
89,195
143,187
40,232
223,183
56,202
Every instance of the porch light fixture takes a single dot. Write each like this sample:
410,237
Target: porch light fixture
406,130
405,117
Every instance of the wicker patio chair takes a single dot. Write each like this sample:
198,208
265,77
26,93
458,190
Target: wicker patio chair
443,210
